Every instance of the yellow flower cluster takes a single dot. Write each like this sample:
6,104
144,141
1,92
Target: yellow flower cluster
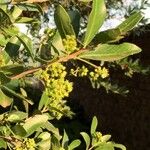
57,87
99,72
27,144
70,43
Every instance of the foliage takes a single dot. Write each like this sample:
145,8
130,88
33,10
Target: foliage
43,66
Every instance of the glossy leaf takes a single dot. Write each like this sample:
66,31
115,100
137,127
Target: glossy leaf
74,144
34,123
27,43
86,139
110,52
5,101
95,21
130,22
63,22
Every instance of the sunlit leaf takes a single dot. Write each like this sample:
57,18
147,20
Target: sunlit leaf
5,101
94,125
16,116
43,101
110,52
95,21
34,123
86,138
45,141
65,140
74,144
130,22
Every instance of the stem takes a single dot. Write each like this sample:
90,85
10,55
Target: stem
61,59
87,62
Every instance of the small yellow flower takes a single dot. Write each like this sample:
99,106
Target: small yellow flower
104,73
70,43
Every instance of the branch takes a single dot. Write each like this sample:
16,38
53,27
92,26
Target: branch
61,59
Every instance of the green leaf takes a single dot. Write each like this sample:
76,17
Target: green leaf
65,140
19,130
48,126
11,31
86,139
12,69
31,7
3,144
3,40
95,21
12,47
27,43
43,101
57,43
5,101
13,93
5,56
74,144
105,138
130,22
3,4
63,22
45,141
94,125
5,19
34,123
16,116
108,36
3,78
25,20
75,20
110,52
16,12
120,146
105,146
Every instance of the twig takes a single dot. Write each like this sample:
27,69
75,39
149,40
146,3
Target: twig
61,59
